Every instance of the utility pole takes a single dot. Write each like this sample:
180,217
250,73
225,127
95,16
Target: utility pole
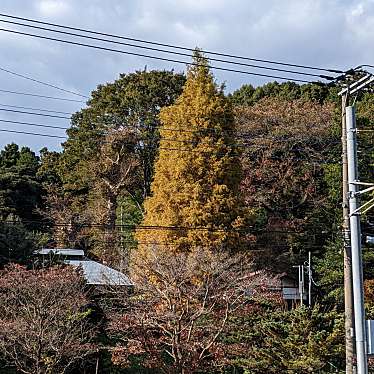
354,210
348,299
121,233
309,279
351,89
301,282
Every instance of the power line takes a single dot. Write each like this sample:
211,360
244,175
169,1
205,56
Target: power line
249,229
249,245
161,127
153,57
14,207
34,114
169,52
233,145
41,96
34,124
174,46
246,137
33,133
38,109
199,131
41,82
182,150
247,140
364,66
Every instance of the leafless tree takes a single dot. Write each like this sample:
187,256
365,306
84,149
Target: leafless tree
44,325
180,309
63,210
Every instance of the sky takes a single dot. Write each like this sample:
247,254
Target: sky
324,33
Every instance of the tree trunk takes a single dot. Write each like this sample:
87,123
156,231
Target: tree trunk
110,253
112,207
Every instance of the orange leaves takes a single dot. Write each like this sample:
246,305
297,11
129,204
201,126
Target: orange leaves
196,184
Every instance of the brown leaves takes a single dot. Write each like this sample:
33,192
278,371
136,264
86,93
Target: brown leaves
181,307
43,323
286,145
299,119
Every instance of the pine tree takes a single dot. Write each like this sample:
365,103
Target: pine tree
197,174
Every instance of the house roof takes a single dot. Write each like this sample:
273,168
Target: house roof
60,251
99,274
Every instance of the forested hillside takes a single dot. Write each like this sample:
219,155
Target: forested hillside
207,201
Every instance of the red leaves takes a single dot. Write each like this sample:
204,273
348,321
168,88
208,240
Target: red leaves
43,325
181,309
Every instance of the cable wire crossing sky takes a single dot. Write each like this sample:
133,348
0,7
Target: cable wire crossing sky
301,40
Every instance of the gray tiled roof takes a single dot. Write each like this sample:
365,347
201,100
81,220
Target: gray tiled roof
60,251
98,274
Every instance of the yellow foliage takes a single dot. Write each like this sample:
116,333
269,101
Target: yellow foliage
197,173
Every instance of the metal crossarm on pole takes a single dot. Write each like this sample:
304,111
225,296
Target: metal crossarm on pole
362,82
353,283
359,209
363,85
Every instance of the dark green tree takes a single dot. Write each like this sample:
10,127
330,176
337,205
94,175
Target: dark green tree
134,100
120,120
274,341
21,195
247,95
17,242
20,189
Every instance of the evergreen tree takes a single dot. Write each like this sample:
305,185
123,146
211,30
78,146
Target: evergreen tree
20,189
247,95
134,101
21,194
302,340
197,173
128,106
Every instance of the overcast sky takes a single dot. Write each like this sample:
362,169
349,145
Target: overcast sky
327,33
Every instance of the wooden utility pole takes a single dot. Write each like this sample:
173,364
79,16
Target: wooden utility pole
348,292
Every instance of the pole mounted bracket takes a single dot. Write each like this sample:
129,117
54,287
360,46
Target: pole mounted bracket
364,207
357,86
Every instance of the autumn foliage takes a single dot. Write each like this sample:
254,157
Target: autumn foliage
176,319
43,319
289,159
197,173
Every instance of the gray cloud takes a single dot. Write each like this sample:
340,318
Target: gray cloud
328,33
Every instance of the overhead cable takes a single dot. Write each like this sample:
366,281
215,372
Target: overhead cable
34,114
246,138
338,71
34,124
41,96
165,227
33,133
245,143
41,82
182,150
153,57
35,109
169,52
